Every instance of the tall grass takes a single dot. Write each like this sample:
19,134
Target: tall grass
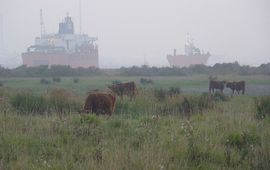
27,103
142,134
62,102
262,105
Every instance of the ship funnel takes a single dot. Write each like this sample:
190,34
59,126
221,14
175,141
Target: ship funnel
66,27
174,52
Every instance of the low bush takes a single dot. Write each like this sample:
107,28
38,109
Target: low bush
145,81
218,96
244,143
242,140
197,103
45,81
160,94
262,105
76,80
27,103
173,91
206,101
56,79
1,84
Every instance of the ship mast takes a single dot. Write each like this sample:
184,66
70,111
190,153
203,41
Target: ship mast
1,33
42,25
80,15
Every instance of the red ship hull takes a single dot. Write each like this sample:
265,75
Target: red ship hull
32,59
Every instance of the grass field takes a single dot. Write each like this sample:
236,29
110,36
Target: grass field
147,133
256,85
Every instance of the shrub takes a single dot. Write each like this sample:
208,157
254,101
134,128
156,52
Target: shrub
1,84
242,140
145,81
160,94
56,79
218,96
86,125
45,81
173,91
244,143
206,101
76,80
262,105
26,103
193,104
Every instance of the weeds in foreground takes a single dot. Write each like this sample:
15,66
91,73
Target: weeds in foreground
244,144
160,94
194,154
262,105
174,91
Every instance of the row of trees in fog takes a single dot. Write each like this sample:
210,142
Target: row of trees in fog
217,69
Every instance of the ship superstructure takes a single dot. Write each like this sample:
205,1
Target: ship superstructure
63,48
192,56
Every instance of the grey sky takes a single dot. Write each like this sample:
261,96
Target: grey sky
133,31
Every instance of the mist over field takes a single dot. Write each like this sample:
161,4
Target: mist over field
138,32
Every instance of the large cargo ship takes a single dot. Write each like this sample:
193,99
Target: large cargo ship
63,48
192,55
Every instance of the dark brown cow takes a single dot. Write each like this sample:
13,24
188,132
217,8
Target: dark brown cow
237,85
213,84
100,102
121,89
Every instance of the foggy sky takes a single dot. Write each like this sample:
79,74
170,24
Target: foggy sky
132,32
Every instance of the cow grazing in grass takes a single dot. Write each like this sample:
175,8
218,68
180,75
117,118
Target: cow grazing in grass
100,102
121,89
237,86
213,84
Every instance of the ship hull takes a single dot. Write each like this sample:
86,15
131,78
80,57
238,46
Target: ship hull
75,60
186,61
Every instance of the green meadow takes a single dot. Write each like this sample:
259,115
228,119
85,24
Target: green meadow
155,131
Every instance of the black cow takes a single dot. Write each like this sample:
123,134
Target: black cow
237,85
213,84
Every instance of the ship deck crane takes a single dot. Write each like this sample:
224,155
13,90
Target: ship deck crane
42,25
